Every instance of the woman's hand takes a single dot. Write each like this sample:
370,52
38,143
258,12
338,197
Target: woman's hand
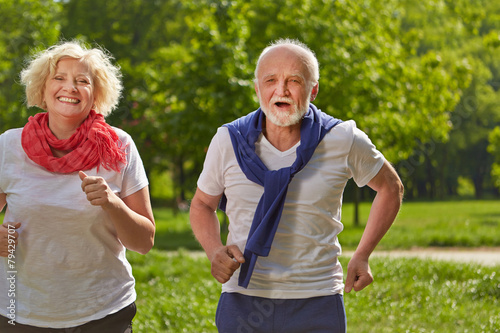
132,216
97,190
8,238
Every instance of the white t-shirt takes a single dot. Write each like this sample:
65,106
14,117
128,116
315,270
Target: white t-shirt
70,267
303,259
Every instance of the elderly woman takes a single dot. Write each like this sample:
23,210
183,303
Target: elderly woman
77,196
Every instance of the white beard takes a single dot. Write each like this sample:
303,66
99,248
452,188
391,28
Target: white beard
284,119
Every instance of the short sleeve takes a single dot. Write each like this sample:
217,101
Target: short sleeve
211,180
134,174
364,160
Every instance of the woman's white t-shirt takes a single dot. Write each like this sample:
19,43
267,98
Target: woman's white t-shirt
70,267
303,261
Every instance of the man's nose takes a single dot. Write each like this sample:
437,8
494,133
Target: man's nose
282,88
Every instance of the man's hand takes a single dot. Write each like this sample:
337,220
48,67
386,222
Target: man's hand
97,191
225,261
8,236
359,274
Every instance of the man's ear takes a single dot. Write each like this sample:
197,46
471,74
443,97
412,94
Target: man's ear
256,87
314,92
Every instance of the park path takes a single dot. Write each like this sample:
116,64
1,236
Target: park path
484,256
488,256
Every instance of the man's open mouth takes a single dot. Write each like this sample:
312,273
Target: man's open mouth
281,104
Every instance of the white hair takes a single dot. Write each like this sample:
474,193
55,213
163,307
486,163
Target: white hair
312,62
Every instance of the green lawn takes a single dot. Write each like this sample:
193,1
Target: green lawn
424,224
176,292
419,224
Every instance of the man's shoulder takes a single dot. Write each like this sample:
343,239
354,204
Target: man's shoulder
343,130
222,139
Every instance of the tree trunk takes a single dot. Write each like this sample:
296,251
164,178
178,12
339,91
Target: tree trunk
357,195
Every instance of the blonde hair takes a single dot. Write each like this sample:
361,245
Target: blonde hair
105,75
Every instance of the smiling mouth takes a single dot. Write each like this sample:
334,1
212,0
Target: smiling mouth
69,100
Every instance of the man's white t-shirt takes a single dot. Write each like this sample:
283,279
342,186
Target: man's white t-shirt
303,261
69,266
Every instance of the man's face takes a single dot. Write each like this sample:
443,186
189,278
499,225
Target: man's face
284,86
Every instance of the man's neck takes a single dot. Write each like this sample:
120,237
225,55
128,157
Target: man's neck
282,138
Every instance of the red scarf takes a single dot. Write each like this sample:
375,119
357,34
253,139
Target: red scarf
93,144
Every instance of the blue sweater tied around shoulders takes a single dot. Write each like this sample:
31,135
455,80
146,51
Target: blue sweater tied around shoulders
244,132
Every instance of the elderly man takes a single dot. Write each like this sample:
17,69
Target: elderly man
280,172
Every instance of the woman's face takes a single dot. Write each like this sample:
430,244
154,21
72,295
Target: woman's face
69,93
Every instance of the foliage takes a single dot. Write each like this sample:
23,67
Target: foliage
406,71
457,30
189,69
494,149
176,293
26,25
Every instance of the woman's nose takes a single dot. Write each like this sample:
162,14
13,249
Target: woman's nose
70,86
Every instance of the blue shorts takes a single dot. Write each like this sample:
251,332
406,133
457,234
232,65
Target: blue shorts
237,313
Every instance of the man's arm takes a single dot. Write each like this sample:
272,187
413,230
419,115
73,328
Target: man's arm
206,229
384,209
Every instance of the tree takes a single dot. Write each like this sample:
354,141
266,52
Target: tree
458,30
26,26
189,66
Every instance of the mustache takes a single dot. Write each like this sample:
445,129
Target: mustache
287,100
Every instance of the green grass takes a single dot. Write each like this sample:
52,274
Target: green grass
178,294
425,224
419,224
173,231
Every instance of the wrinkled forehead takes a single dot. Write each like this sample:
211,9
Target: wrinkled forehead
290,58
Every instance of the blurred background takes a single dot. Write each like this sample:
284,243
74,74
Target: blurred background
421,78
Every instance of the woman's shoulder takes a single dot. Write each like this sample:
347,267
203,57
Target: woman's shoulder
11,135
123,136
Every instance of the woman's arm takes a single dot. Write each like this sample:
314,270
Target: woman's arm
8,233
3,200
132,216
